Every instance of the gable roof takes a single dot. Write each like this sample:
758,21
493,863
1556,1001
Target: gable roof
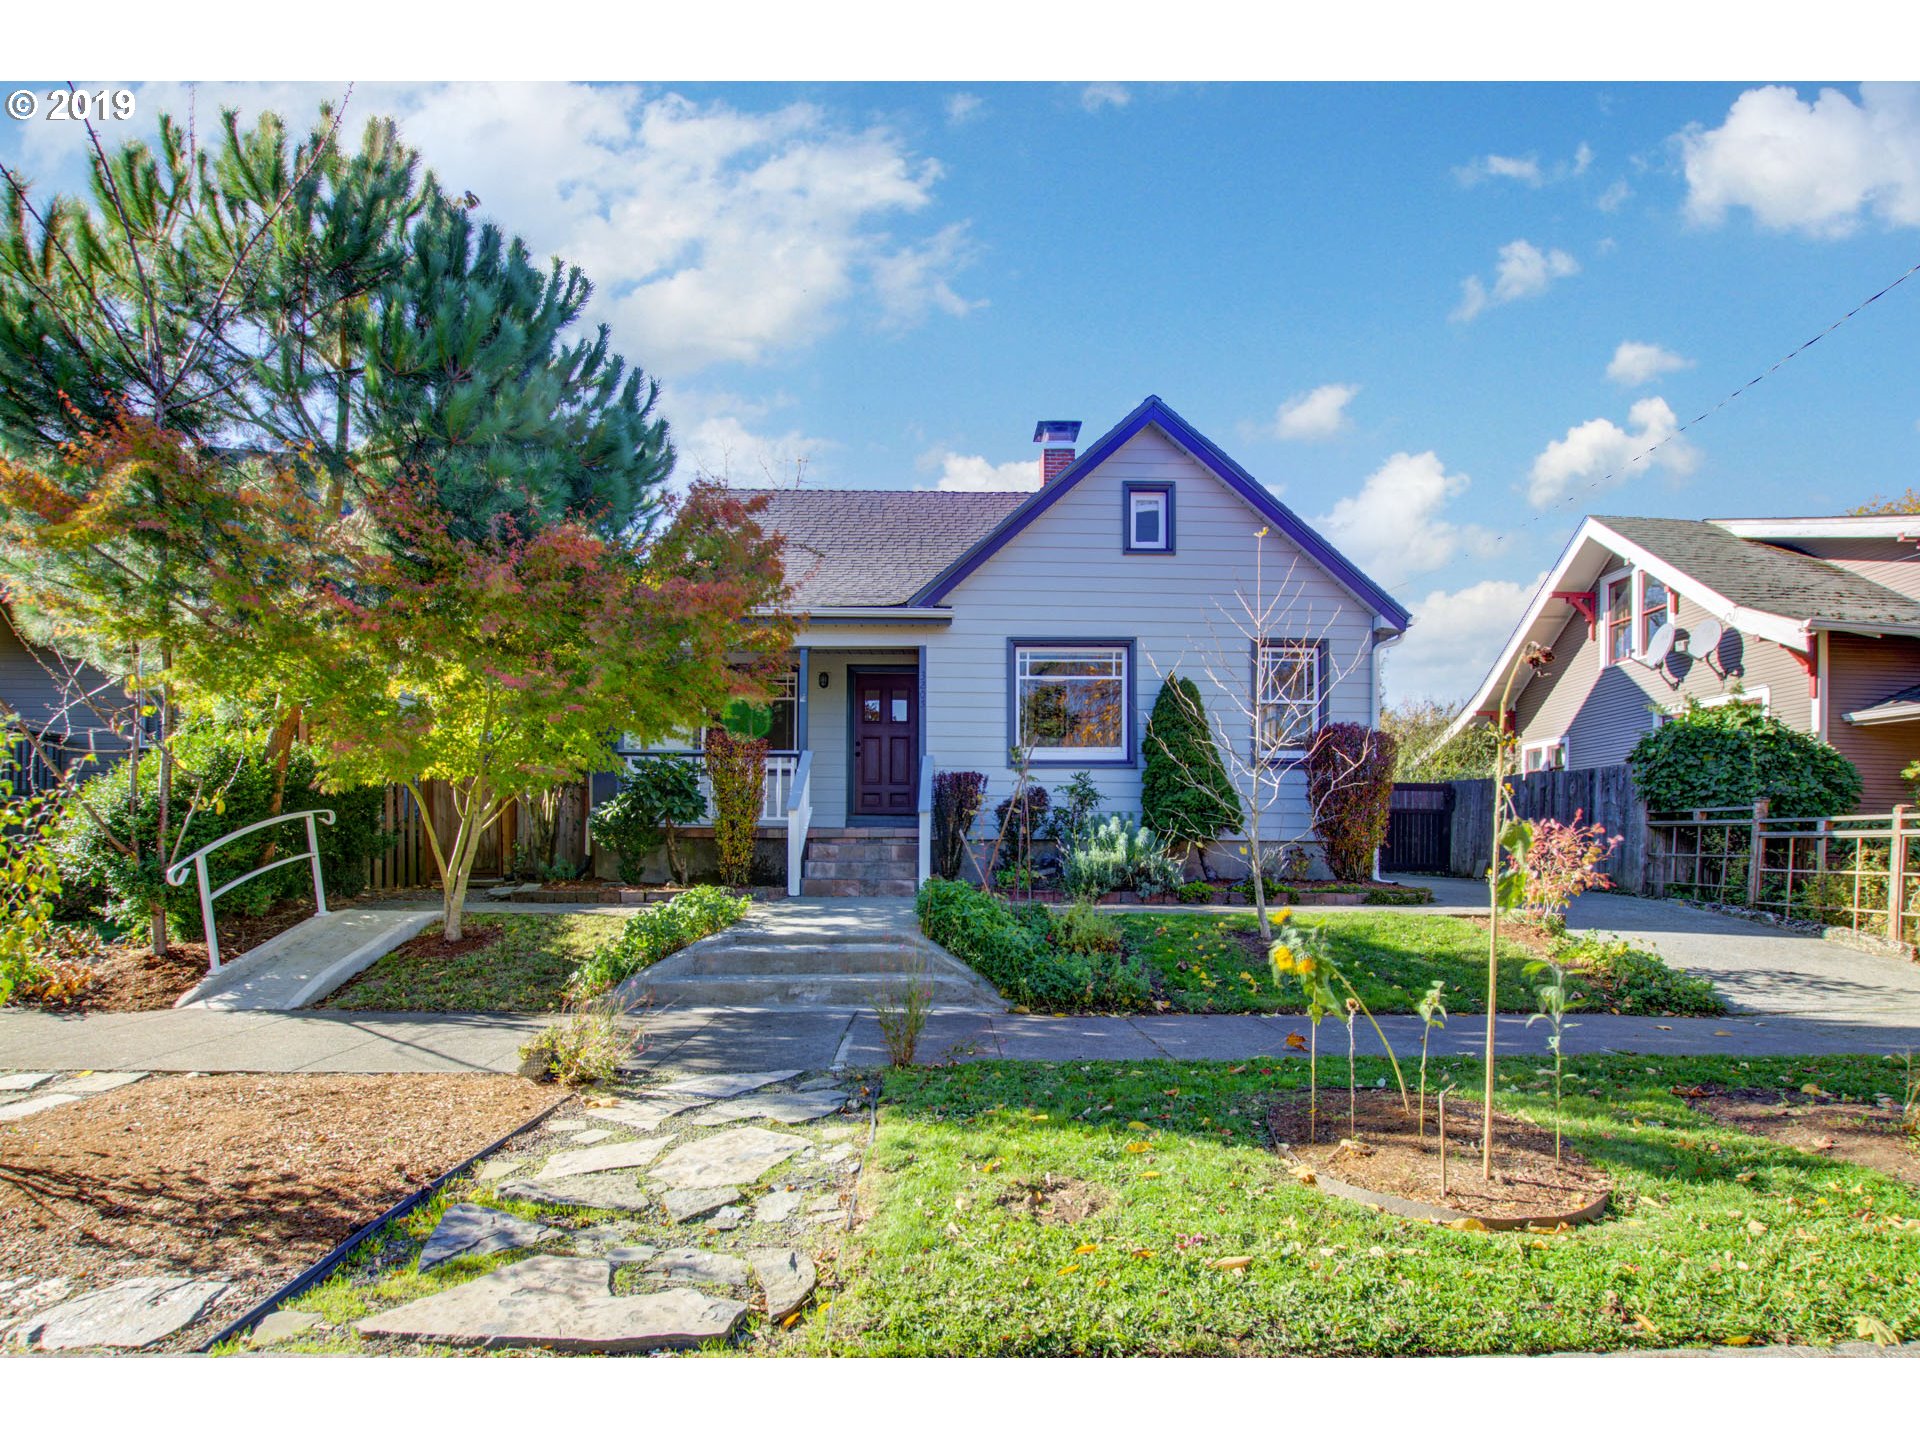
1766,577
1155,411
1764,589
875,547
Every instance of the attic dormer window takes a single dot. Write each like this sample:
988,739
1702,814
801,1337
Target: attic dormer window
1147,519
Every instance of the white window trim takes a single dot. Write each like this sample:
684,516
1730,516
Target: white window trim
1640,578
1311,650
1050,754
1605,593
1138,500
1540,749
1762,694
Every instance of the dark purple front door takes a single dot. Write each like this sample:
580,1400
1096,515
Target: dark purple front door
885,741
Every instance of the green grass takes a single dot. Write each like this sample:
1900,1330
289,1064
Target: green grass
524,969
1213,963
1712,1235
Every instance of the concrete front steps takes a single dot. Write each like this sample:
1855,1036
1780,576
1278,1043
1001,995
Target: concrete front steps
845,864
823,954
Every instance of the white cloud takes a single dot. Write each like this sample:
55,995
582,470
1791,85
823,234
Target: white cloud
1599,450
976,472
722,436
1314,414
1523,271
1524,169
1395,526
1817,167
1635,362
712,233
1614,196
962,106
1105,95
1453,640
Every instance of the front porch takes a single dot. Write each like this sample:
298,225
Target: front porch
849,781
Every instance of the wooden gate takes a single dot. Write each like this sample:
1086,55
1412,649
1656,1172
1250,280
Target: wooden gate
1419,829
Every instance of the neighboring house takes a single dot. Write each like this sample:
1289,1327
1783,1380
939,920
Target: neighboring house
37,695
1818,620
942,628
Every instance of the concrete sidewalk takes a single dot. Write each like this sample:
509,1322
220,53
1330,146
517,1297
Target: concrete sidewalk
740,1039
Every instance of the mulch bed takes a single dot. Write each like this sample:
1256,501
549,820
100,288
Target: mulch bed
432,945
244,1178
1392,1158
132,977
1535,939
1870,1135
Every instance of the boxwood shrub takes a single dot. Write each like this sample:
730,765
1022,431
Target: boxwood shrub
1010,948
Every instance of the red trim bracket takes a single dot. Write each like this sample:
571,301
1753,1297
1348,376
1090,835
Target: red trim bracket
1585,601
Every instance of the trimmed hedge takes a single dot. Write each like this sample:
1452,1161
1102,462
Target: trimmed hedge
655,933
1711,755
1011,950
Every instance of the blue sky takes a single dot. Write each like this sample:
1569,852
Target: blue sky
1401,306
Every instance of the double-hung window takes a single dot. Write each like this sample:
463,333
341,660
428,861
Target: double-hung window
1656,608
1147,519
1070,700
1289,684
1619,619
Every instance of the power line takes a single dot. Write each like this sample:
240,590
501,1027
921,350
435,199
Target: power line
1668,439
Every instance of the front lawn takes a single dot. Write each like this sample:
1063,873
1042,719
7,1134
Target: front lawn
1164,1224
517,963
1216,963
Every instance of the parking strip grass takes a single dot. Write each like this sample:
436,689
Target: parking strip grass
522,969
1713,1237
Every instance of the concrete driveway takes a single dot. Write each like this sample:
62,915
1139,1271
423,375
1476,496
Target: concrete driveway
1759,969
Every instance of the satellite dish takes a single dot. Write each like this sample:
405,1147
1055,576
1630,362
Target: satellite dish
1703,640
1659,646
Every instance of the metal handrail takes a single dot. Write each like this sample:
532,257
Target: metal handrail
177,872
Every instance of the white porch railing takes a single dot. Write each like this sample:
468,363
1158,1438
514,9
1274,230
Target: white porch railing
196,863
799,817
925,863
780,769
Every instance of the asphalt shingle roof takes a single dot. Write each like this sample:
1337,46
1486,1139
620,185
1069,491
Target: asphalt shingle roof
876,547
1766,577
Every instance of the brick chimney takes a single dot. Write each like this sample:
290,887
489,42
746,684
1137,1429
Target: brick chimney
1056,437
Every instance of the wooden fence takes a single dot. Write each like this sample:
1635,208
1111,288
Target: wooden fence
408,862
1605,795
1853,872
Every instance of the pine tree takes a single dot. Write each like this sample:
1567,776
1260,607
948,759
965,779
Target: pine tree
1185,795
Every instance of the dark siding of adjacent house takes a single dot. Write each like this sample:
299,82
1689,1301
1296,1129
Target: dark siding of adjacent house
1603,711
1863,671
24,682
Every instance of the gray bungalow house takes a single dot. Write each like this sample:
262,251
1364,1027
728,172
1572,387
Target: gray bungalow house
1816,619
934,621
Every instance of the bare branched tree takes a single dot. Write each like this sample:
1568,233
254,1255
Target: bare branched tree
1272,655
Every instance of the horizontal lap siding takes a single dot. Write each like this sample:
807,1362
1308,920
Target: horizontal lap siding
1064,576
1603,711
1862,672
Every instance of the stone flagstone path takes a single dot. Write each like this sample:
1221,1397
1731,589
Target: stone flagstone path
625,1245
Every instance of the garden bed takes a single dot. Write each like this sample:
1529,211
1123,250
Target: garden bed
1387,1161
130,976
246,1179
1862,1132
516,963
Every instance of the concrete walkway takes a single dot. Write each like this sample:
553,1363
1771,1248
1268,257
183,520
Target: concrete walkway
307,962
741,1039
1760,969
